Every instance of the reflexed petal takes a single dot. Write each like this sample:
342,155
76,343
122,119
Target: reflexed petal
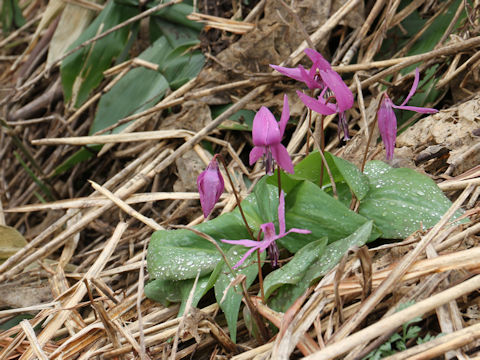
243,242
281,213
414,87
342,93
242,260
285,115
298,231
294,73
309,78
281,156
256,153
387,124
317,59
317,105
416,109
265,130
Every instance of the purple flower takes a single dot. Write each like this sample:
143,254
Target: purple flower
269,236
210,186
341,94
267,136
387,122
311,77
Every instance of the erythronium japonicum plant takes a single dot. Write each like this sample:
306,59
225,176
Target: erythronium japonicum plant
210,186
267,135
269,237
387,121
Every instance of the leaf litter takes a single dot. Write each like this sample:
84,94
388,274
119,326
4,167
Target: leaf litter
86,259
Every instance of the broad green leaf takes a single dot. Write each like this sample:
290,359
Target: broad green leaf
177,35
309,207
345,175
167,291
82,71
267,201
241,120
354,178
180,254
138,90
401,201
287,294
11,15
233,298
176,14
334,251
181,66
294,270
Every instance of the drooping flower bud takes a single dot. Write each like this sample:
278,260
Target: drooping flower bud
210,186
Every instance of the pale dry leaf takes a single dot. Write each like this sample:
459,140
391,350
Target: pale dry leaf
10,242
74,20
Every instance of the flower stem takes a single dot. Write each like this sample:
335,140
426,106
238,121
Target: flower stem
324,163
260,275
308,133
279,180
236,195
370,136
253,310
322,145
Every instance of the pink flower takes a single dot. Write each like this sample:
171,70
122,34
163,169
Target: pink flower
269,236
210,186
387,122
341,94
267,136
322,76
311,77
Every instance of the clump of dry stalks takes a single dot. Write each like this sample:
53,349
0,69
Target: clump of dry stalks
81,274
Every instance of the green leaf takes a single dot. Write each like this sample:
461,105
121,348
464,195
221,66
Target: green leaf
309,207
233,298
287,294
79,156
84,69
180,254
11,15
241,120
347,177
295,269
401,201
176,14
166,291
354,178
179,68
266,196
138,90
